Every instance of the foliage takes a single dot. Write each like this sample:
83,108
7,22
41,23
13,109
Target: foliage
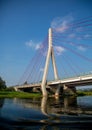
10,89
2,84
13,94
83,93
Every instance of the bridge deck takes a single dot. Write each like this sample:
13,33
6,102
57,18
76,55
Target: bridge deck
73,81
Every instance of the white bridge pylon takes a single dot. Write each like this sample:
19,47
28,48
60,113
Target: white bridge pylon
50,54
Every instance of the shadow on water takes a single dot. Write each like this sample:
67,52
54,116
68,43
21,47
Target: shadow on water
69,113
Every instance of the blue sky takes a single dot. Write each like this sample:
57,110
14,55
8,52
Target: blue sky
27,21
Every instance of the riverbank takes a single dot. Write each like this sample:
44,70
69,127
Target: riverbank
12,94
84,93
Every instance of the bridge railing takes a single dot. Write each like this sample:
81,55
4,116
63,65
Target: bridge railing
80,76
74,77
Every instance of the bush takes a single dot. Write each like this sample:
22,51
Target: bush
9,89
2,84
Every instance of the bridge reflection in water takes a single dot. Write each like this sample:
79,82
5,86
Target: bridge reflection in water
46,113
56,107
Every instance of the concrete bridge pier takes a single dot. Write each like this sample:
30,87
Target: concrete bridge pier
44,105
69,90
16,89
50,54
59,91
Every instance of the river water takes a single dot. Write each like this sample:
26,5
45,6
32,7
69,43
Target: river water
69,113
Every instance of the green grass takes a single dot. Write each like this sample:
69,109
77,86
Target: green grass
13,94
84,93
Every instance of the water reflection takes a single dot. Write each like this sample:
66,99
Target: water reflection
47,113
1,103
44,106
52,106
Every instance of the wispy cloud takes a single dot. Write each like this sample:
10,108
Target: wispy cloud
59,50
79,29
78,46
61,24
34,45
87,36
72,35
81,48
41,69
29,44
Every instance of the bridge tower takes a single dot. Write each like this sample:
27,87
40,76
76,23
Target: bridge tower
50,54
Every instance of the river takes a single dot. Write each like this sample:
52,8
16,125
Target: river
69,113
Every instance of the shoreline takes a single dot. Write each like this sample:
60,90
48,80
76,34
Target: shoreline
14,94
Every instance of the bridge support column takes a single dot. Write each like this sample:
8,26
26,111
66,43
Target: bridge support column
44,106
43,85
69,91
50,53
58,91
15,88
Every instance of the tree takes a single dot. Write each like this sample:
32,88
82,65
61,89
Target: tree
2,84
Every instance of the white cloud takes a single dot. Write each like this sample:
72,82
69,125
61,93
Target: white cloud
61,24
81,48
87,36
79,38
30,44
41,69
59,50
79,29
71,43
72,35
38,46
34,45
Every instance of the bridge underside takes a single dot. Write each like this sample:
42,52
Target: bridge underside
50,89
59,87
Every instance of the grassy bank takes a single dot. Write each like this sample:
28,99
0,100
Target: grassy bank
84,93
12,94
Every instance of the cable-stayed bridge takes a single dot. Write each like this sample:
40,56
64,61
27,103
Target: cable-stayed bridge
70,82
63,60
